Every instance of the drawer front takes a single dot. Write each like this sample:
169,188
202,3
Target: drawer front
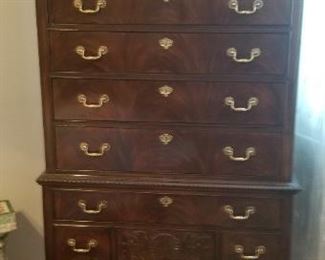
165,208
149,244
208,12
170,150
169,53
201,102
237,245
81,243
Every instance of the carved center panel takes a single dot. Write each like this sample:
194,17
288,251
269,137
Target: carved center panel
165,245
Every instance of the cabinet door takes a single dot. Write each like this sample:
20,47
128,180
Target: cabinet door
140,244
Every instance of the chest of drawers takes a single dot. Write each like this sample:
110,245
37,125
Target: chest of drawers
168,128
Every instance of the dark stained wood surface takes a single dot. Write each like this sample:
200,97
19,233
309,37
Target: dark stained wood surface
110,232
82,236
191,151
146,208
198,102
190,53
208,12
166,244
250,241
192,169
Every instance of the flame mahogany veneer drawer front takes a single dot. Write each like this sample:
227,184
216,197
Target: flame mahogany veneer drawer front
100,52
166,208
164,101
81,243
209,151
204,12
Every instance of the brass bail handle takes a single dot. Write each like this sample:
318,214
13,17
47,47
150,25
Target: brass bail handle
92,243
101,51
229,151
234,5
100,4
101,101
100,206
231,212
252,101
254,53
259,251
103,148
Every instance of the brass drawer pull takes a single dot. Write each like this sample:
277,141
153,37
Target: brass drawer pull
255,53
165,139
248,212
103,148
99,5
101,101
81,50
260,250
100,206
166,43
229,151
166,201
234,5
165,90
252,101
92,243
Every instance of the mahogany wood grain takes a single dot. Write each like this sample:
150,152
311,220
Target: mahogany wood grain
166,244
192,170
273,244
186,12
198,102
190,53
82,235
146,208
191,151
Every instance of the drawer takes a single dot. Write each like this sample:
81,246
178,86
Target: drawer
166,208
178,101
268,246
204,12
81,243
101,52
164,244
170,150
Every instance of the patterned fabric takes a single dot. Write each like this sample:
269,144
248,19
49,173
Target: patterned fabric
7,217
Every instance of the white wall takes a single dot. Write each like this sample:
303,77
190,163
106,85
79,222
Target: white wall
310,137
21,136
